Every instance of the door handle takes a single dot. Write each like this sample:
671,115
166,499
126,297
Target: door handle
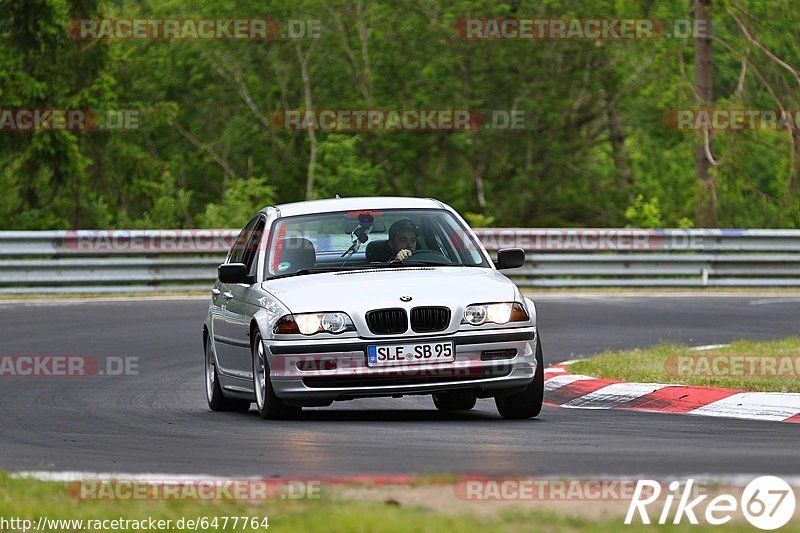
215,291
228,295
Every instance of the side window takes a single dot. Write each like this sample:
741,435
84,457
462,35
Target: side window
253,245
240,246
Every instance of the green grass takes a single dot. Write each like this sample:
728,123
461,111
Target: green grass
667,363
30,499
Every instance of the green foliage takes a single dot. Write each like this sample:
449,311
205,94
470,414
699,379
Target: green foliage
170,204
479,220
240,201
644,213
206,149
341,170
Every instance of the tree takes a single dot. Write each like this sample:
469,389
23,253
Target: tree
704,91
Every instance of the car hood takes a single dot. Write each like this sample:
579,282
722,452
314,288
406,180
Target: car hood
360,290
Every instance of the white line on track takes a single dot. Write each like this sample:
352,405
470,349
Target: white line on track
770,301
737,480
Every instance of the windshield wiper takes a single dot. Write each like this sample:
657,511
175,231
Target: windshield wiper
340,268
304,271
411,262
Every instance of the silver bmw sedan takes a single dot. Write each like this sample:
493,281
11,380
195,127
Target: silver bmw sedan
367,297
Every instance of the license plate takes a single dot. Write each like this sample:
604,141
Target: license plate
410,354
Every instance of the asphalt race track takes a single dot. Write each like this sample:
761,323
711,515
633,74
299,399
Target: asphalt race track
158,421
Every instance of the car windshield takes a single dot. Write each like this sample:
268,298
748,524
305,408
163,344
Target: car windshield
357,239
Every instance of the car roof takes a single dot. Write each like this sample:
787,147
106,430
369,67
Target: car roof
356,204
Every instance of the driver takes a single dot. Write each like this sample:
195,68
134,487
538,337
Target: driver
402,239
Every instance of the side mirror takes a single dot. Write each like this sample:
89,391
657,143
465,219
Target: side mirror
234,273
510,258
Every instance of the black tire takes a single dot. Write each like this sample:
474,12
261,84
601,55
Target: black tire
527,403
269,406
454,401
217,401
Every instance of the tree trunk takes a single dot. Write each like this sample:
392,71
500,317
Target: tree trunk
312,136
477,175
76,220
706,215
616,136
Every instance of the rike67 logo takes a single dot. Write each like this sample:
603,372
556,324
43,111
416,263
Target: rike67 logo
767,502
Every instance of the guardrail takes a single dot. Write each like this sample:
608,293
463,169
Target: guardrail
178,260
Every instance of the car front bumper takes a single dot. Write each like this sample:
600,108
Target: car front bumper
476,366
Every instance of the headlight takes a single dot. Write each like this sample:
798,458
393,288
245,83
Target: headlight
311,323
497,313
334,322
308,324
475,314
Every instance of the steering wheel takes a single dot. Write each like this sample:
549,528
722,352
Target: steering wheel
429,255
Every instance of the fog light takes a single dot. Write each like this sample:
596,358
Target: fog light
494,355
310,365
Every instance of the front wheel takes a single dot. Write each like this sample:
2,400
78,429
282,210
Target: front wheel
527,403
270,407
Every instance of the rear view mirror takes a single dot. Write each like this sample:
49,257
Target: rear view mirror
510,258
377,227
234,273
